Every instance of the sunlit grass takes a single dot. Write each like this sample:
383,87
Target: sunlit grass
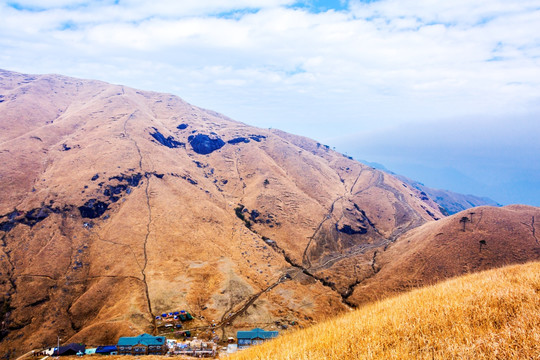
488,315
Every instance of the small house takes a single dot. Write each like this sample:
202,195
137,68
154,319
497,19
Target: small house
144,344
185,316
254,337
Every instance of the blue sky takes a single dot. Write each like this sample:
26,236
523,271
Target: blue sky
445,92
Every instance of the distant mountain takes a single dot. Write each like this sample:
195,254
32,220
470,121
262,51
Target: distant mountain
119,204
449,201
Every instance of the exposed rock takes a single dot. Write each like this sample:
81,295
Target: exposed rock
204,144
347,229
93,208
169,141
257,138
7,225
36,215
31,217
132,180
238,140
111,191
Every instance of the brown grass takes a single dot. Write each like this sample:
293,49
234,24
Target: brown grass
489,315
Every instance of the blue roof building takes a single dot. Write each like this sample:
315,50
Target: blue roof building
144,344
254,337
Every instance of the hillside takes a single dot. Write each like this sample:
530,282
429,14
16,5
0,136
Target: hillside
119,204
473,240
488,315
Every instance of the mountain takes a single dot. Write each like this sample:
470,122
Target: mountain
119,204
488,315
473,240
449,201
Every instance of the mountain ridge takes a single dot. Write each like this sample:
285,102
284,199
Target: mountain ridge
120,204
451,202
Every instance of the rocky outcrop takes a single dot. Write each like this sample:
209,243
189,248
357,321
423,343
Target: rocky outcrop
204,144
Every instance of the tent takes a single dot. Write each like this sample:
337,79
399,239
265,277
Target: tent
71,349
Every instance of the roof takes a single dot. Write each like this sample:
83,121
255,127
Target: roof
144,339
105,349
72,348
256,334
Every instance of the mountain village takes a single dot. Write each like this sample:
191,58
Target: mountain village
134,223
175,338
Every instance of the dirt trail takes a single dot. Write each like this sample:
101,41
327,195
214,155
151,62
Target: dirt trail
305,258
148,224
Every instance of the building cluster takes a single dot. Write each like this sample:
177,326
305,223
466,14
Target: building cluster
173,322
147,344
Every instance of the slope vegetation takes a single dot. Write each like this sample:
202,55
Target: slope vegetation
473,240
488,315
119,204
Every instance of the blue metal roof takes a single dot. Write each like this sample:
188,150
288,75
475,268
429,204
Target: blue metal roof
144,339
256,334
105,349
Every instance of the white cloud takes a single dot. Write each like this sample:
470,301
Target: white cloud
320,74
412,50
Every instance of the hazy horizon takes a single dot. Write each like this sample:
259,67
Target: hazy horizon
445,93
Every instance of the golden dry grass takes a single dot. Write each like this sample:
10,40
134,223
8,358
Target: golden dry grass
489,315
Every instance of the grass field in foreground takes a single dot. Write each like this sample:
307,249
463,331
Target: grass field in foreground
488,315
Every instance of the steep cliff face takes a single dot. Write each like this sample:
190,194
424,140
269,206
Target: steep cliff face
118,205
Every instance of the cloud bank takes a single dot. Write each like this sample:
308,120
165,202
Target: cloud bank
318,68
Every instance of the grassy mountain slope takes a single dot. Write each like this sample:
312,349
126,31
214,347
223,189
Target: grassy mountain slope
488,315
473,240
119,204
